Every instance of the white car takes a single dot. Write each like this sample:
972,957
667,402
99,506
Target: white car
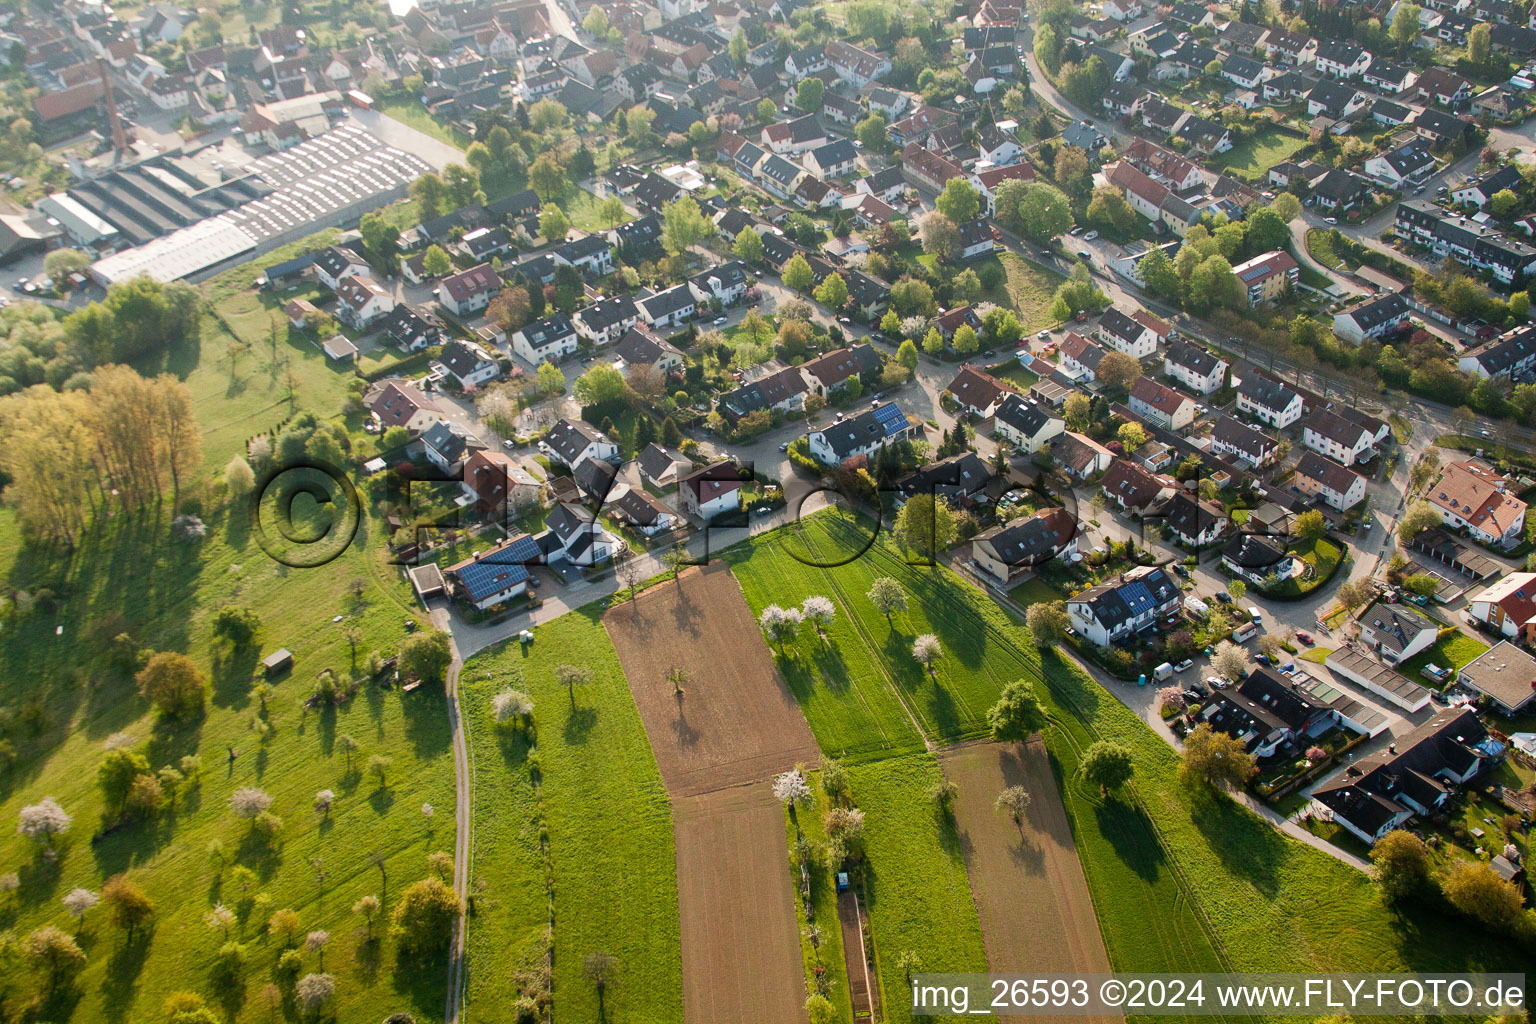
1184,666
1090,236
1044,335
719,320
1216,681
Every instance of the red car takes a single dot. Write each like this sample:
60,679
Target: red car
1304,637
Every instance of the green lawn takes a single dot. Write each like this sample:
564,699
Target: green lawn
1322,555
608,829
1252,158
1028,290
581,208
1320,247
132,577
915,883
411,112
828,954
1180,879
1452,651
1013,371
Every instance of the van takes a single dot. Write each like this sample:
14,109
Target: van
1253,613
1163,671
1244,632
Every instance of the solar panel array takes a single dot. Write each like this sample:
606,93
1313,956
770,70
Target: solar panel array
300,190
500,569
1137,598
890,417
343,168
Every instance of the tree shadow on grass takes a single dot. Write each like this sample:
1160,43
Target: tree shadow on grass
944,712
1246,844
170,739
234,669
120,985
832,666
255,852
1126,828
381,800
422,981
426,723
579,725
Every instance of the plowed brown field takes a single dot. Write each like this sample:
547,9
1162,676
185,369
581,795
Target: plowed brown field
736,722
1036,914
717,746
741,950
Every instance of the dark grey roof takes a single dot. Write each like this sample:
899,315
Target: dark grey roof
1024,415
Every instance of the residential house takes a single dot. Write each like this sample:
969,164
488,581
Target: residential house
496,575
498,485
1374,317
661,467
606,320
335,264
549,339
1080,456
1267,276
1342,58
928,169
1439,85
960,479
574,534
1138,601
1079,357
1342,440
1268,714
1026,424
641,511
1396,632
412,328
1135,489
1237,442
360,301
469,291
1508,356
791,138
712,490
1471,497
669,309
1508,607
1191,520
1406,166
402,405
1014,550
1258,558
1125,334
1322,479
1339,191
782,391
1384,790
1392,79
1269,400
977,392
468,363
833,160
833,370
863,434
446,446
572,442
1479,191
1505,675
1194,367
725,283
1161,405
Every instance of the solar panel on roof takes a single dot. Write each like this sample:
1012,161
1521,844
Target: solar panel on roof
1137,597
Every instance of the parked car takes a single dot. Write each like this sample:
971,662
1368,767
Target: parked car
1216,681
720,320
1304,637
1185,665
1090,236
784,447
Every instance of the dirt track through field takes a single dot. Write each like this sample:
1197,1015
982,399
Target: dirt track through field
734,727
736,721
1036,913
